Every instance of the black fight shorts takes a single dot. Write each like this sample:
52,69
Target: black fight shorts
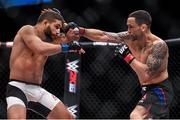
157,99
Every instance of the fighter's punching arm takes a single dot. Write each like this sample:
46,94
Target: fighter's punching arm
44,48
99,35
103,36
154,62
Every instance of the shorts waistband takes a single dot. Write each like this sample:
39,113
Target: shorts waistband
24,82
161,84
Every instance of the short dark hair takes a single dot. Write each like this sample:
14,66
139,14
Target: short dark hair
142,17
50,16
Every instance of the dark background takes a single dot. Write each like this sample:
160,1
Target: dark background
109,87
108,15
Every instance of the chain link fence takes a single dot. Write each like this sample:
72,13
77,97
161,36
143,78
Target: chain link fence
109,88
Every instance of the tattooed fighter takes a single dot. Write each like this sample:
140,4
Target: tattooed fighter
147,54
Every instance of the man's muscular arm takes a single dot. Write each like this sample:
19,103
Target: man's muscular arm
153,64
34,43
103,36
38,46
154,61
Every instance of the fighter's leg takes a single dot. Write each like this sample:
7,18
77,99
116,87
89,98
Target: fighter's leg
16,112
139,113
16,103
52,107
60,112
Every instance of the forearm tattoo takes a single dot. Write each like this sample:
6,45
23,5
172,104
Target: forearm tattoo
118,37
154,61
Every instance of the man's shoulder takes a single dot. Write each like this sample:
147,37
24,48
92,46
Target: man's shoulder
160,45
26,29
157,40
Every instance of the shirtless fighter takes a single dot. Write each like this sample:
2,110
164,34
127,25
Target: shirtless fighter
31,48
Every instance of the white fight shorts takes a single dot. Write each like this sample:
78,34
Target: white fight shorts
31,96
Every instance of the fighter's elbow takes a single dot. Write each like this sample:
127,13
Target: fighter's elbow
149,75
146,77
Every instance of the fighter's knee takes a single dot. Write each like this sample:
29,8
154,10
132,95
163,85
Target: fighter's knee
16,112
70,115
73,116
132,115
135,115
16,116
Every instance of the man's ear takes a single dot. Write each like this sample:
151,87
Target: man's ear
45,22
143,27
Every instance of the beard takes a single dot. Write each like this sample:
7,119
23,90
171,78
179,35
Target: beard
48,34
134,37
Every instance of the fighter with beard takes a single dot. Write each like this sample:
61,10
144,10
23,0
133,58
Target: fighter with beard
31,48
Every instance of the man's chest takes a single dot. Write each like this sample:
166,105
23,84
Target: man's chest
141,55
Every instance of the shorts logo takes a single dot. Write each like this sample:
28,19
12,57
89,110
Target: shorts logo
144,88
72,70
54,97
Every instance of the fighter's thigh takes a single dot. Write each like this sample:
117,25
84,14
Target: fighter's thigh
60,111
16,102
16,108
55,107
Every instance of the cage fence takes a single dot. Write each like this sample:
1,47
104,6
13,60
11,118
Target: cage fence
109,88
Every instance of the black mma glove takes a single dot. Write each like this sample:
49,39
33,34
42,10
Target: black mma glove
74,45
123,51
80,30
71,25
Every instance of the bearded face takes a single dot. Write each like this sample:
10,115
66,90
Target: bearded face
48,34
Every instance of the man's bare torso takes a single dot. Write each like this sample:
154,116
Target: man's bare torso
26,65
142,54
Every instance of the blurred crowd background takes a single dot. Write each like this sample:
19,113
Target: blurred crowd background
108,15
109,88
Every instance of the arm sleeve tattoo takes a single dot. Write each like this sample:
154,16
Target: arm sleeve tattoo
118,37
154,61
